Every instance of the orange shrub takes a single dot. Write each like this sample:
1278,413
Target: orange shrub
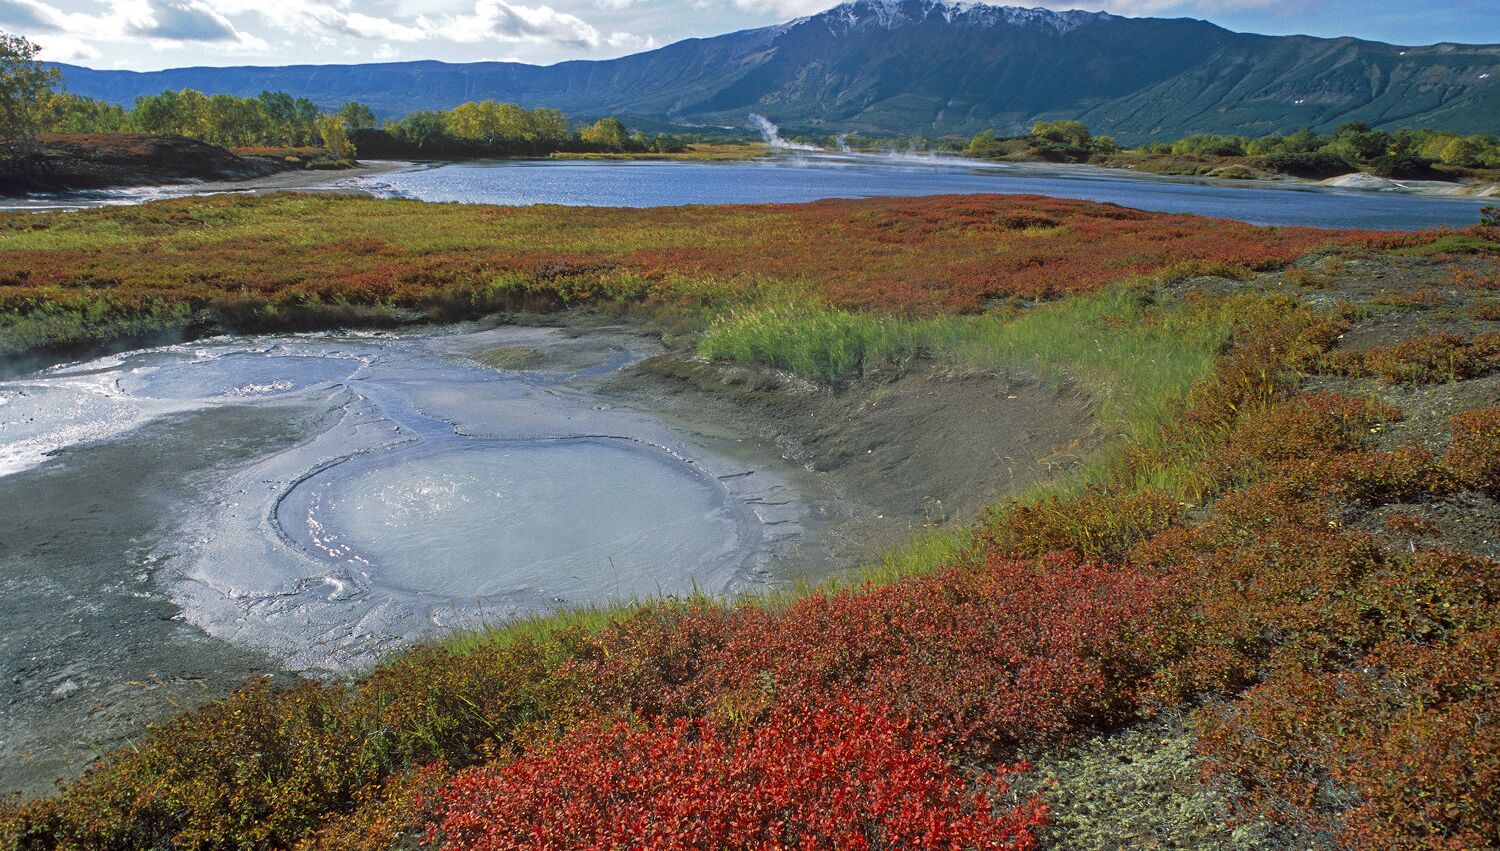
1474,453
1437,357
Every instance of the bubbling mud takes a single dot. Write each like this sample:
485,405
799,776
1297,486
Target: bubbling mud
434,492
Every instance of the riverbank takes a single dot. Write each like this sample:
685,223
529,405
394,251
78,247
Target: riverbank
1231,170
696,152
65,162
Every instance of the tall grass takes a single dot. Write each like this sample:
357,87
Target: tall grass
1136,359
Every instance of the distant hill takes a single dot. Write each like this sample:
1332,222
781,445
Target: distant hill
931,67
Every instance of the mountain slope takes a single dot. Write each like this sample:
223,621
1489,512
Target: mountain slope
927,66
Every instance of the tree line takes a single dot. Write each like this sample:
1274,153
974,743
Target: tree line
1404,152
278,119
491,128
31,102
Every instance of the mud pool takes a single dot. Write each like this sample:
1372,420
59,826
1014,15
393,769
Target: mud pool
179,518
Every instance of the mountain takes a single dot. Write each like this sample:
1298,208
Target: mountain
931,67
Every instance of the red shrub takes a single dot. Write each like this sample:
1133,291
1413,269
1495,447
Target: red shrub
838,777
1010,653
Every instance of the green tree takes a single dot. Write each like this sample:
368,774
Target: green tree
608,133
70,113
423,130
1464,151
984,144
1302,141
1073,133
549,128
356,116
25,91
232,121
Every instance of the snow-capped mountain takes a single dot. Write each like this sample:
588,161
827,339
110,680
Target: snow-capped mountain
933,67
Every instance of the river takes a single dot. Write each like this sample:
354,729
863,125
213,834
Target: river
795,177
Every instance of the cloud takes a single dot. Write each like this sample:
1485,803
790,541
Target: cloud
64,48
631,41
182,20
497,19
361,25
30,16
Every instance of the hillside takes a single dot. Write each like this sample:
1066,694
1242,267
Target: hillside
926,66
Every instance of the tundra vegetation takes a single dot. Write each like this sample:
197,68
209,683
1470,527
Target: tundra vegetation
1265,615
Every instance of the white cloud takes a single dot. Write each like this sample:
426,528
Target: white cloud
181,20
30,16
497,19
382,29
631,41
65,48
72,36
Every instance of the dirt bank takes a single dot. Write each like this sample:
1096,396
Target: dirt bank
65,161
893,452
78,162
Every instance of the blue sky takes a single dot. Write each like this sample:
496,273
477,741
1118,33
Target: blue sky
150,34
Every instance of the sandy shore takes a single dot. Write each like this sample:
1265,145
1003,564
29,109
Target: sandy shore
1438,188
301,181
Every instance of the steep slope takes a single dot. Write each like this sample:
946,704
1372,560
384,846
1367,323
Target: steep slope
930,66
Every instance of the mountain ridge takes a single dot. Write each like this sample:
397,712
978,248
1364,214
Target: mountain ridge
930,67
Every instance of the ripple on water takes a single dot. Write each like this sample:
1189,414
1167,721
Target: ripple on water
566,519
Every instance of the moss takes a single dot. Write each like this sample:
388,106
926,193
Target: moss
1145,787
508,357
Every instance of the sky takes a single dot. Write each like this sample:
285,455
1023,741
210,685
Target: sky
152,34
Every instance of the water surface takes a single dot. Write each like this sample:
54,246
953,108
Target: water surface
799,178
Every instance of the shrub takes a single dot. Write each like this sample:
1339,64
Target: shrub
1272,436
1310,164
841,776
1473,455
1004,655
1402,750
1094,525
1428,358
1400,165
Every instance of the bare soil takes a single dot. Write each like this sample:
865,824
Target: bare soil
893,452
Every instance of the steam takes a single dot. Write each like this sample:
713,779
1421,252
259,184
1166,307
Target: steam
772,134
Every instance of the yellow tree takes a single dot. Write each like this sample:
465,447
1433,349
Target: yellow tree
335,141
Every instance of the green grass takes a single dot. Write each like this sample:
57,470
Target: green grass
1136,359
1450,244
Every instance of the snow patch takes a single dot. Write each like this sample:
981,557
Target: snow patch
890,14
